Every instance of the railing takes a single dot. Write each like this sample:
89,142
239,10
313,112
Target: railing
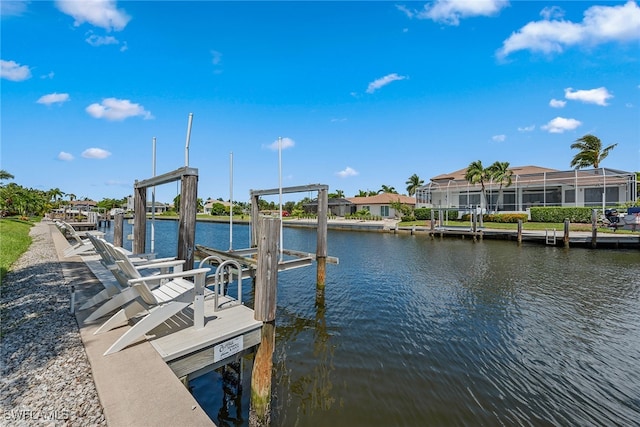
222,277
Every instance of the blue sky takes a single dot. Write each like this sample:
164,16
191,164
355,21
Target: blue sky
362,93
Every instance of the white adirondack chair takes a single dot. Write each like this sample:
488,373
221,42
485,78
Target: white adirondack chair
160,303
114,297
81,246
143,262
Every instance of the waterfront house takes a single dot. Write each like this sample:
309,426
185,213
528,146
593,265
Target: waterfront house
531,186
381,204
209,205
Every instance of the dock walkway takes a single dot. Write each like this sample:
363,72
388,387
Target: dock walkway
136,386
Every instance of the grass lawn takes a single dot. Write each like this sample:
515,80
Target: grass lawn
14,241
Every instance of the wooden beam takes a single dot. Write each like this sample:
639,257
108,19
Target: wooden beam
166,178
295,189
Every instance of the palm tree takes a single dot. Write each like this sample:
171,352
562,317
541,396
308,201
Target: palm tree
5,175
361,193
477,174
500,173
591,152
413,183
387,189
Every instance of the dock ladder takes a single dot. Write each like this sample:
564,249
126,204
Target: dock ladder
550,239
222,277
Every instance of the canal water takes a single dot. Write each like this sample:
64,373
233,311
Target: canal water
416,331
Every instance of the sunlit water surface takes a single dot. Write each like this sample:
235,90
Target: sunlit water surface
418,332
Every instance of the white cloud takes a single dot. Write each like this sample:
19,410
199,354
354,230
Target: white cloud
67,157
117,109
404,9
348,171
95,153
557,103
286,143
383,81
601,24
53,98
13,71
552,12
337,120
451,11
561,124
100,13
13,8
96,40
216,57
597,96
527,128
49,76
499,138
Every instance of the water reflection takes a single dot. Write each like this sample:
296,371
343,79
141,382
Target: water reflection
312,389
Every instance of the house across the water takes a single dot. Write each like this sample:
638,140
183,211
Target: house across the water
532,186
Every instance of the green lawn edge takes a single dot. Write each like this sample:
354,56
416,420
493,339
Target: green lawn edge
14,241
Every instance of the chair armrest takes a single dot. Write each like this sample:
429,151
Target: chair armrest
188,273
160,264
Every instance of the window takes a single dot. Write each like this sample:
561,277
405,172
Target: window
593,196
474,199
384,210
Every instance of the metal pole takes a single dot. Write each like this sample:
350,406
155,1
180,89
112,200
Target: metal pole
231,201
280,191
186,146
153,197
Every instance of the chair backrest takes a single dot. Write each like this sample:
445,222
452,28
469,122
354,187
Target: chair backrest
142,288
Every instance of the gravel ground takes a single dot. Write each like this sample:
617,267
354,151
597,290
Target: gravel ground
45,375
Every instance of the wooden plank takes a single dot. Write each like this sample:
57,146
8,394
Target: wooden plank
178,338
204,359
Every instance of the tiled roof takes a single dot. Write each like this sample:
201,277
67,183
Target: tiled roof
382,199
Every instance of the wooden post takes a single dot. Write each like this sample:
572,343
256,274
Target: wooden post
118,230
260,409
255,214
321,249
267,269
265,310
565,238
519,238
187,222
432,224
594,228
140,220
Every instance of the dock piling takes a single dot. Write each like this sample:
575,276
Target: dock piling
265,311
519,235
118,229
594,228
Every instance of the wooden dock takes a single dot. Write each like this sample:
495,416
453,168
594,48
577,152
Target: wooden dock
551,237
228,331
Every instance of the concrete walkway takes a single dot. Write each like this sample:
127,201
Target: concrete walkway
135,386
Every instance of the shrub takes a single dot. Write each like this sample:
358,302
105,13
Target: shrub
559,214
424,214
505,218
